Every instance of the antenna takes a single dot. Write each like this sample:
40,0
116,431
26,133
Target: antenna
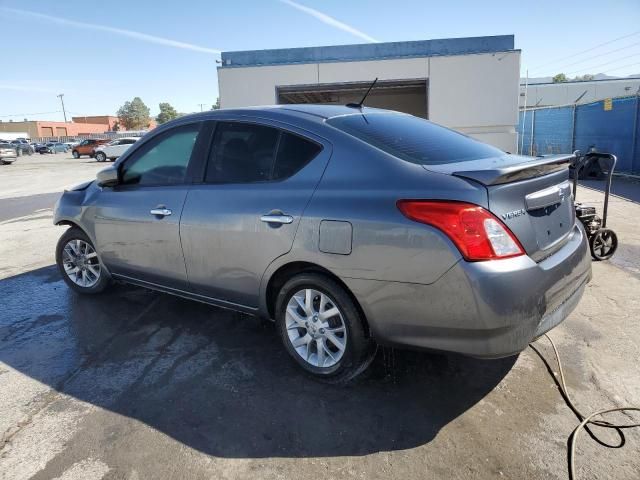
359,105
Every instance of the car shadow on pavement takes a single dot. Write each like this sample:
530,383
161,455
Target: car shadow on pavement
220,382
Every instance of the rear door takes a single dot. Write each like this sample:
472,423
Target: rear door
137,222
259,178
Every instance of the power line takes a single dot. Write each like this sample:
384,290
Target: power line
587,50
601,55
602,64
625,66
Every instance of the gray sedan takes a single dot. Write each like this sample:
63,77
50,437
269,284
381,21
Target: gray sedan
53,147
349,227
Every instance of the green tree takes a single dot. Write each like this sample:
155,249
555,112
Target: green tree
134,115
167,112
560,78
216,106
587,77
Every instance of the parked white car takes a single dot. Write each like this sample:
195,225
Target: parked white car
112,150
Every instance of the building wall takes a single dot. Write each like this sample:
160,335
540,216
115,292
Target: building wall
551,94
476,94
29,127
37,129
107,120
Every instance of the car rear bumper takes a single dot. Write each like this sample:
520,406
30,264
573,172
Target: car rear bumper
484,309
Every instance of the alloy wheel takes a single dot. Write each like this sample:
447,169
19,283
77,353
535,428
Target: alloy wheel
316,328
81,263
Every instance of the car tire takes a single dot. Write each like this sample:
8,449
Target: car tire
337,348
75,154
101,157
79,264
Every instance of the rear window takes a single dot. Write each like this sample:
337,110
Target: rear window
413,139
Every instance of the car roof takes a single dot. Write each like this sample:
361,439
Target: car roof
317,112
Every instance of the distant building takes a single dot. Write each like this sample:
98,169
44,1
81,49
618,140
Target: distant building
79,127
111,122
37,128
469,84
568,93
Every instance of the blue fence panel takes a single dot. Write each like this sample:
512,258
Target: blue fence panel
608,130
553,130
556,131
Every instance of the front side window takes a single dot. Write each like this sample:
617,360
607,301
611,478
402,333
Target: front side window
413,139
164,160
242,153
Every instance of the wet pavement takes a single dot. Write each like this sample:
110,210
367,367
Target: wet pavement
136,384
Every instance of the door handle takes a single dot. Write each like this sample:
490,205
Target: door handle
160,211
277,218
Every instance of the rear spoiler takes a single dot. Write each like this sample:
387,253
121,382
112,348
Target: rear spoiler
520,171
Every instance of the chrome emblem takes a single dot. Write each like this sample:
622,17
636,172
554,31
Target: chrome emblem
514,214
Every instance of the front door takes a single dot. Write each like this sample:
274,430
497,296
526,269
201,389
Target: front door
137,222
258,181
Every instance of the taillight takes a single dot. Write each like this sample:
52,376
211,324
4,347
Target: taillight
477,233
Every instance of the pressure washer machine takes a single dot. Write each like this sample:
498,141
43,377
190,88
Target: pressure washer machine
603,241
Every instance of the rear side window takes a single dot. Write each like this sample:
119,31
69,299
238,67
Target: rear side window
242,153
293,153
249,153
413,139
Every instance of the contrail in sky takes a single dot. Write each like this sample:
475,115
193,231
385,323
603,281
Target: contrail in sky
324,18
113,30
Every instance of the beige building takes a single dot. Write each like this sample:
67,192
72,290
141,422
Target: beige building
568,93
469,84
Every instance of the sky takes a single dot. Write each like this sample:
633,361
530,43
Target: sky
101,54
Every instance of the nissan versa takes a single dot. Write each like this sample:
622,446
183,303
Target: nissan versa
348,226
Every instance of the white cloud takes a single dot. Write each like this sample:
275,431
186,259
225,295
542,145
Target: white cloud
113,30
324,18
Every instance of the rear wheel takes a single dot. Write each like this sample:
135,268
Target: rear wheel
79,264
322,328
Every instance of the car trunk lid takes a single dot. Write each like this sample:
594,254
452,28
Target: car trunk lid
532,196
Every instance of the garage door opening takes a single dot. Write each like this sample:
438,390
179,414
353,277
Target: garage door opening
408,96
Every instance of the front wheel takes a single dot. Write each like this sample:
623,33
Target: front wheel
75,154
101,157
79,264
322,328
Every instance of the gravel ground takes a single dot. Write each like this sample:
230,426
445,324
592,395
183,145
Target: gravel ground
135,384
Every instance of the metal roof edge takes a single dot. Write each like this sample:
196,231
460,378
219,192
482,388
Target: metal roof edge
368,51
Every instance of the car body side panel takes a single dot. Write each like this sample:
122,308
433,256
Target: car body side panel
363,190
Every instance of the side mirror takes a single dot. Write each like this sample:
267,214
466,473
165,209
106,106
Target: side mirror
107,177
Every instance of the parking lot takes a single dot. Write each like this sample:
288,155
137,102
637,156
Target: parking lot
136,384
